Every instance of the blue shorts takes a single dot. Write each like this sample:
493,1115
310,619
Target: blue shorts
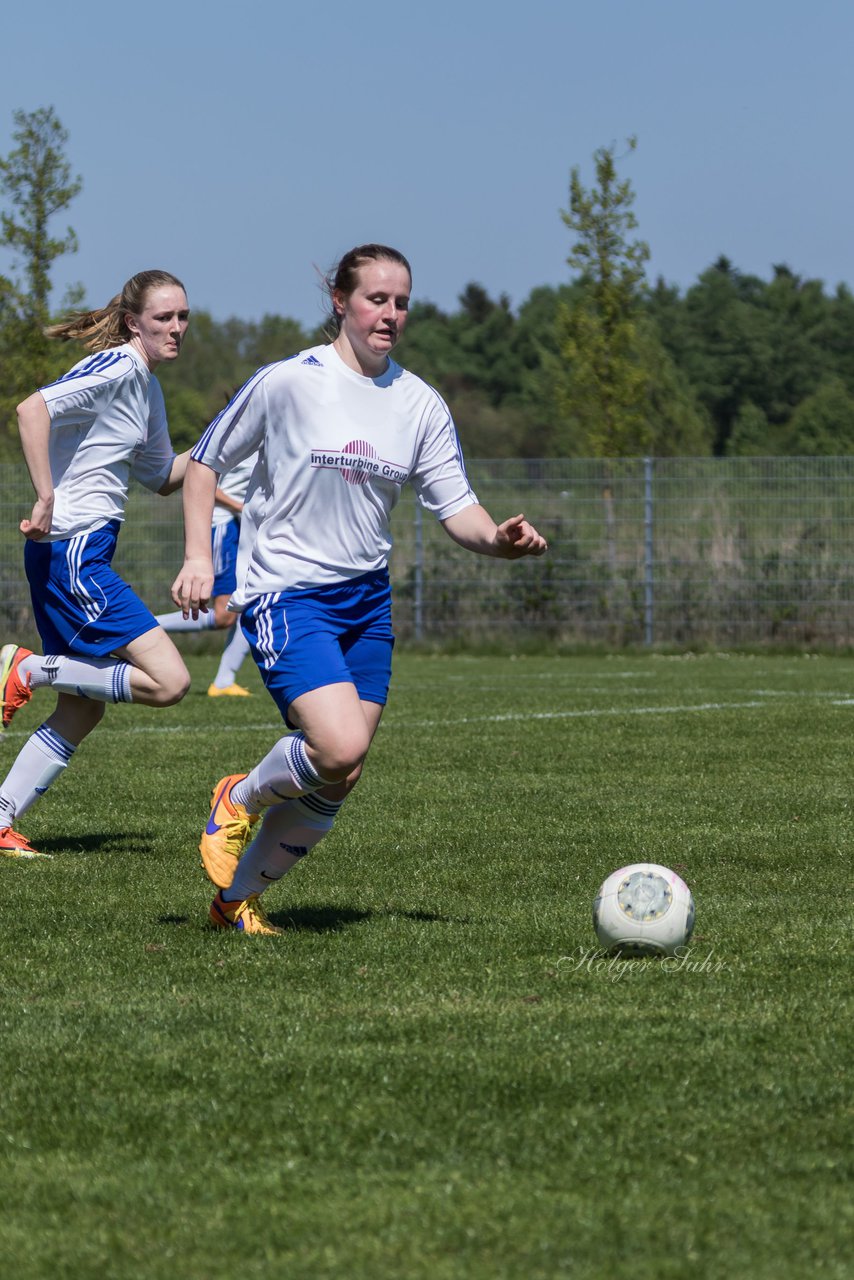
80,603
225,539
303,640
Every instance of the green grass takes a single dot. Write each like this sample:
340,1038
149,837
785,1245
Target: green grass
432,1074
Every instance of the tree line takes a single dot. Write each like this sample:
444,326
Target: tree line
603,364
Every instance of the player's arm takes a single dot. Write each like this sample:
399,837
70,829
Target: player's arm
475,529
175,479
34,429
191,590
223,499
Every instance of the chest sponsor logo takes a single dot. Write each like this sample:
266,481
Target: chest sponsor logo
358,462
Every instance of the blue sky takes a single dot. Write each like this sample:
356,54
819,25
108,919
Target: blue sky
243,148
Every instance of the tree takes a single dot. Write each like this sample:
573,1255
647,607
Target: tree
823,423
678,425
724,347
795,311
750,436
605,388
36,177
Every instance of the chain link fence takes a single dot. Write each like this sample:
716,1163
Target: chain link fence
665,551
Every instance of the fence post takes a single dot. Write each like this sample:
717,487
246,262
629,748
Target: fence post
648,579
419,572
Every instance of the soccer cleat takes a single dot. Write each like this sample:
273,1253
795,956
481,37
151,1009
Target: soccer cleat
15,690
247,915
14,845
227,833
230,691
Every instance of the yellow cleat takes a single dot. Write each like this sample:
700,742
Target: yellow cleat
246,915
230,691
226,834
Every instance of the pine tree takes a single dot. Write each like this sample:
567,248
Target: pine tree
36,179
604,391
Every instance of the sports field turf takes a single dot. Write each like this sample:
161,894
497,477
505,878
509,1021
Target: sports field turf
433,1074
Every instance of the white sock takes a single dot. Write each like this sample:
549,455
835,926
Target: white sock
102,679
177,622
232,657
289,831
286,771
37,765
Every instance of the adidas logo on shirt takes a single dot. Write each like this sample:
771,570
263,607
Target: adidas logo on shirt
311,360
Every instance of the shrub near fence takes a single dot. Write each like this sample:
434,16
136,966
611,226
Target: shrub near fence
669,551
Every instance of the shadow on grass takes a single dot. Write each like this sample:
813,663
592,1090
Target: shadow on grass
126,843
332,919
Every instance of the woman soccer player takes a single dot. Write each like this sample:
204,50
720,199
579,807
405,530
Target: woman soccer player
340,428
225,536
83,437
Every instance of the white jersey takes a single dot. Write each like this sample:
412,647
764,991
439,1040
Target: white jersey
234,483
335,449
107,423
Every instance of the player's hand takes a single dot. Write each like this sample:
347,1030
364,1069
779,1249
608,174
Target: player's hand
515,538
40,521
191,590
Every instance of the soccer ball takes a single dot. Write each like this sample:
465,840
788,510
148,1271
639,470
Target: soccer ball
643,910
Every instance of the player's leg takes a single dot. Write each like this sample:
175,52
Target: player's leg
332,739
100,640
234,654
325,657
337,724
42,759
217,618
291,828
175,621
158,676
289,832
286,771
22,672
148,670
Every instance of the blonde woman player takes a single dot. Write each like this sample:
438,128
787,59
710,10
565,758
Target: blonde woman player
225,536
83,437
340,428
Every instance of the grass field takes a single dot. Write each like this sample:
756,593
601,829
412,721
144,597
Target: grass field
433,1073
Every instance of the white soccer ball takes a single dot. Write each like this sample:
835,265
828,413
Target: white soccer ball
643,909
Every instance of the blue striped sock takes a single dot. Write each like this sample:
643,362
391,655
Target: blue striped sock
286,771
38,764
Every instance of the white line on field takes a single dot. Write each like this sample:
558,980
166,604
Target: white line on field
392,723
589,713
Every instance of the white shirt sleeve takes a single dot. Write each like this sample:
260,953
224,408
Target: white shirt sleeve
89,389
152,461
439,476
238,430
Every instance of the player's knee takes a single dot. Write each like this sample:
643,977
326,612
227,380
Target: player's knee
172,688
339,760
223,617
180,687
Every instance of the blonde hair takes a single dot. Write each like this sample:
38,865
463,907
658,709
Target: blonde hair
106,327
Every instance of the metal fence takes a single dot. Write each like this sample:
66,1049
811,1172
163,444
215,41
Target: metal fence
665,551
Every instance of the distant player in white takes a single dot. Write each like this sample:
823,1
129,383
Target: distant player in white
83,437
339,429
225,535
